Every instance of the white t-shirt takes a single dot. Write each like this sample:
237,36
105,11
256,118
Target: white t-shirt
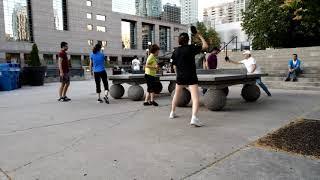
249,65
136,65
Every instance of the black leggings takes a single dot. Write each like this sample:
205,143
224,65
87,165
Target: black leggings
97,77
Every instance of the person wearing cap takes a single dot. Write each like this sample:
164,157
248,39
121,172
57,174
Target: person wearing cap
252,68
185,67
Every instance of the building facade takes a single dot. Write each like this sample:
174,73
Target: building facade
189,11
171,13
226,20
80,23
148,8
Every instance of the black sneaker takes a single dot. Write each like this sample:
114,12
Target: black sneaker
106,99
99,101
60,99
66,98
147,104
288,79
295,80
154,103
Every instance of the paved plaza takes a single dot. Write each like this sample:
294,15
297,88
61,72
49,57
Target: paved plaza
42,139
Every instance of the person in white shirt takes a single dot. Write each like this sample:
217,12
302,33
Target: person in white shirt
252,68
135,64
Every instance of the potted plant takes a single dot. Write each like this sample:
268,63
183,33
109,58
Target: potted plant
35,72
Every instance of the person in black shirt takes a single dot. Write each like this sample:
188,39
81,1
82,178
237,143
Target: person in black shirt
184,64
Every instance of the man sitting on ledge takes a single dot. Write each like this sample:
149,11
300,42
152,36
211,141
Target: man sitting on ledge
294,68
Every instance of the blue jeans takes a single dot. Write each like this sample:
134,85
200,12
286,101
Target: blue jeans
263,86
294,74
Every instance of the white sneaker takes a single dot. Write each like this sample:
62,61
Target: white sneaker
195,122
172,115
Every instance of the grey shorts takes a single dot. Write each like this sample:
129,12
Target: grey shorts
65,78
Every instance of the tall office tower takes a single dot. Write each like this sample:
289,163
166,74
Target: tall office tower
148,8
220,14
239,6
171,13
189,9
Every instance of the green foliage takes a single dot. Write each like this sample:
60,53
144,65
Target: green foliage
209,34
34,57
279,23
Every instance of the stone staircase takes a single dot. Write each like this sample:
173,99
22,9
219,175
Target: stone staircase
275,63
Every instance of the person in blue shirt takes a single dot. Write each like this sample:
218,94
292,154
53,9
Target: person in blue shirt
294,68
97,66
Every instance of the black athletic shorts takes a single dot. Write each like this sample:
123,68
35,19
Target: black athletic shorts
187,81
65,79
151,83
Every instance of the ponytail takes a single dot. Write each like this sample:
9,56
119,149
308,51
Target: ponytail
97,48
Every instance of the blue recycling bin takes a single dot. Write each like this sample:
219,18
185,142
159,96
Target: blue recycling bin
5,78
15,74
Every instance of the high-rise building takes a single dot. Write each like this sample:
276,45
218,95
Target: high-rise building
20,23
220,14
148,8
93,21
239,6
189,11
171,13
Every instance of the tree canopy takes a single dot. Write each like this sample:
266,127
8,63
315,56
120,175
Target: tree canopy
209,34
282,23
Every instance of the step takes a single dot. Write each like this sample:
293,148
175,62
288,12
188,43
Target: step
290,86
301,79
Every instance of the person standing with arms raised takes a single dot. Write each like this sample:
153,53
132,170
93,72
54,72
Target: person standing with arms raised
184,63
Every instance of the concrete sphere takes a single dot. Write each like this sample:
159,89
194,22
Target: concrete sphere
250,93
171,87
215,100
226,90
117,91
136,93
184,98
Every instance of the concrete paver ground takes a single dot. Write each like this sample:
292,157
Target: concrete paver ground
47,140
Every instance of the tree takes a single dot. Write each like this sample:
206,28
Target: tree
34,57
209,34
282,23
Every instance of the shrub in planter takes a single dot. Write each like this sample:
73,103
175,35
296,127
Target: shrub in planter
34,73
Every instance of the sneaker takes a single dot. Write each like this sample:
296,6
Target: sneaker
66,98
195,122
295,80
99,101
172,115
288,79
154,103
147,104
106,99
60,99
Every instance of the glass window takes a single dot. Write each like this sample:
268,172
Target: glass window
164,37
89,3
101,18
89,15
89,27
148,35
90,42
48,58
18,20
60,15
101,29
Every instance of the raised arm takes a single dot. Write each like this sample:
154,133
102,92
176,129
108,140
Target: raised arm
204,43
